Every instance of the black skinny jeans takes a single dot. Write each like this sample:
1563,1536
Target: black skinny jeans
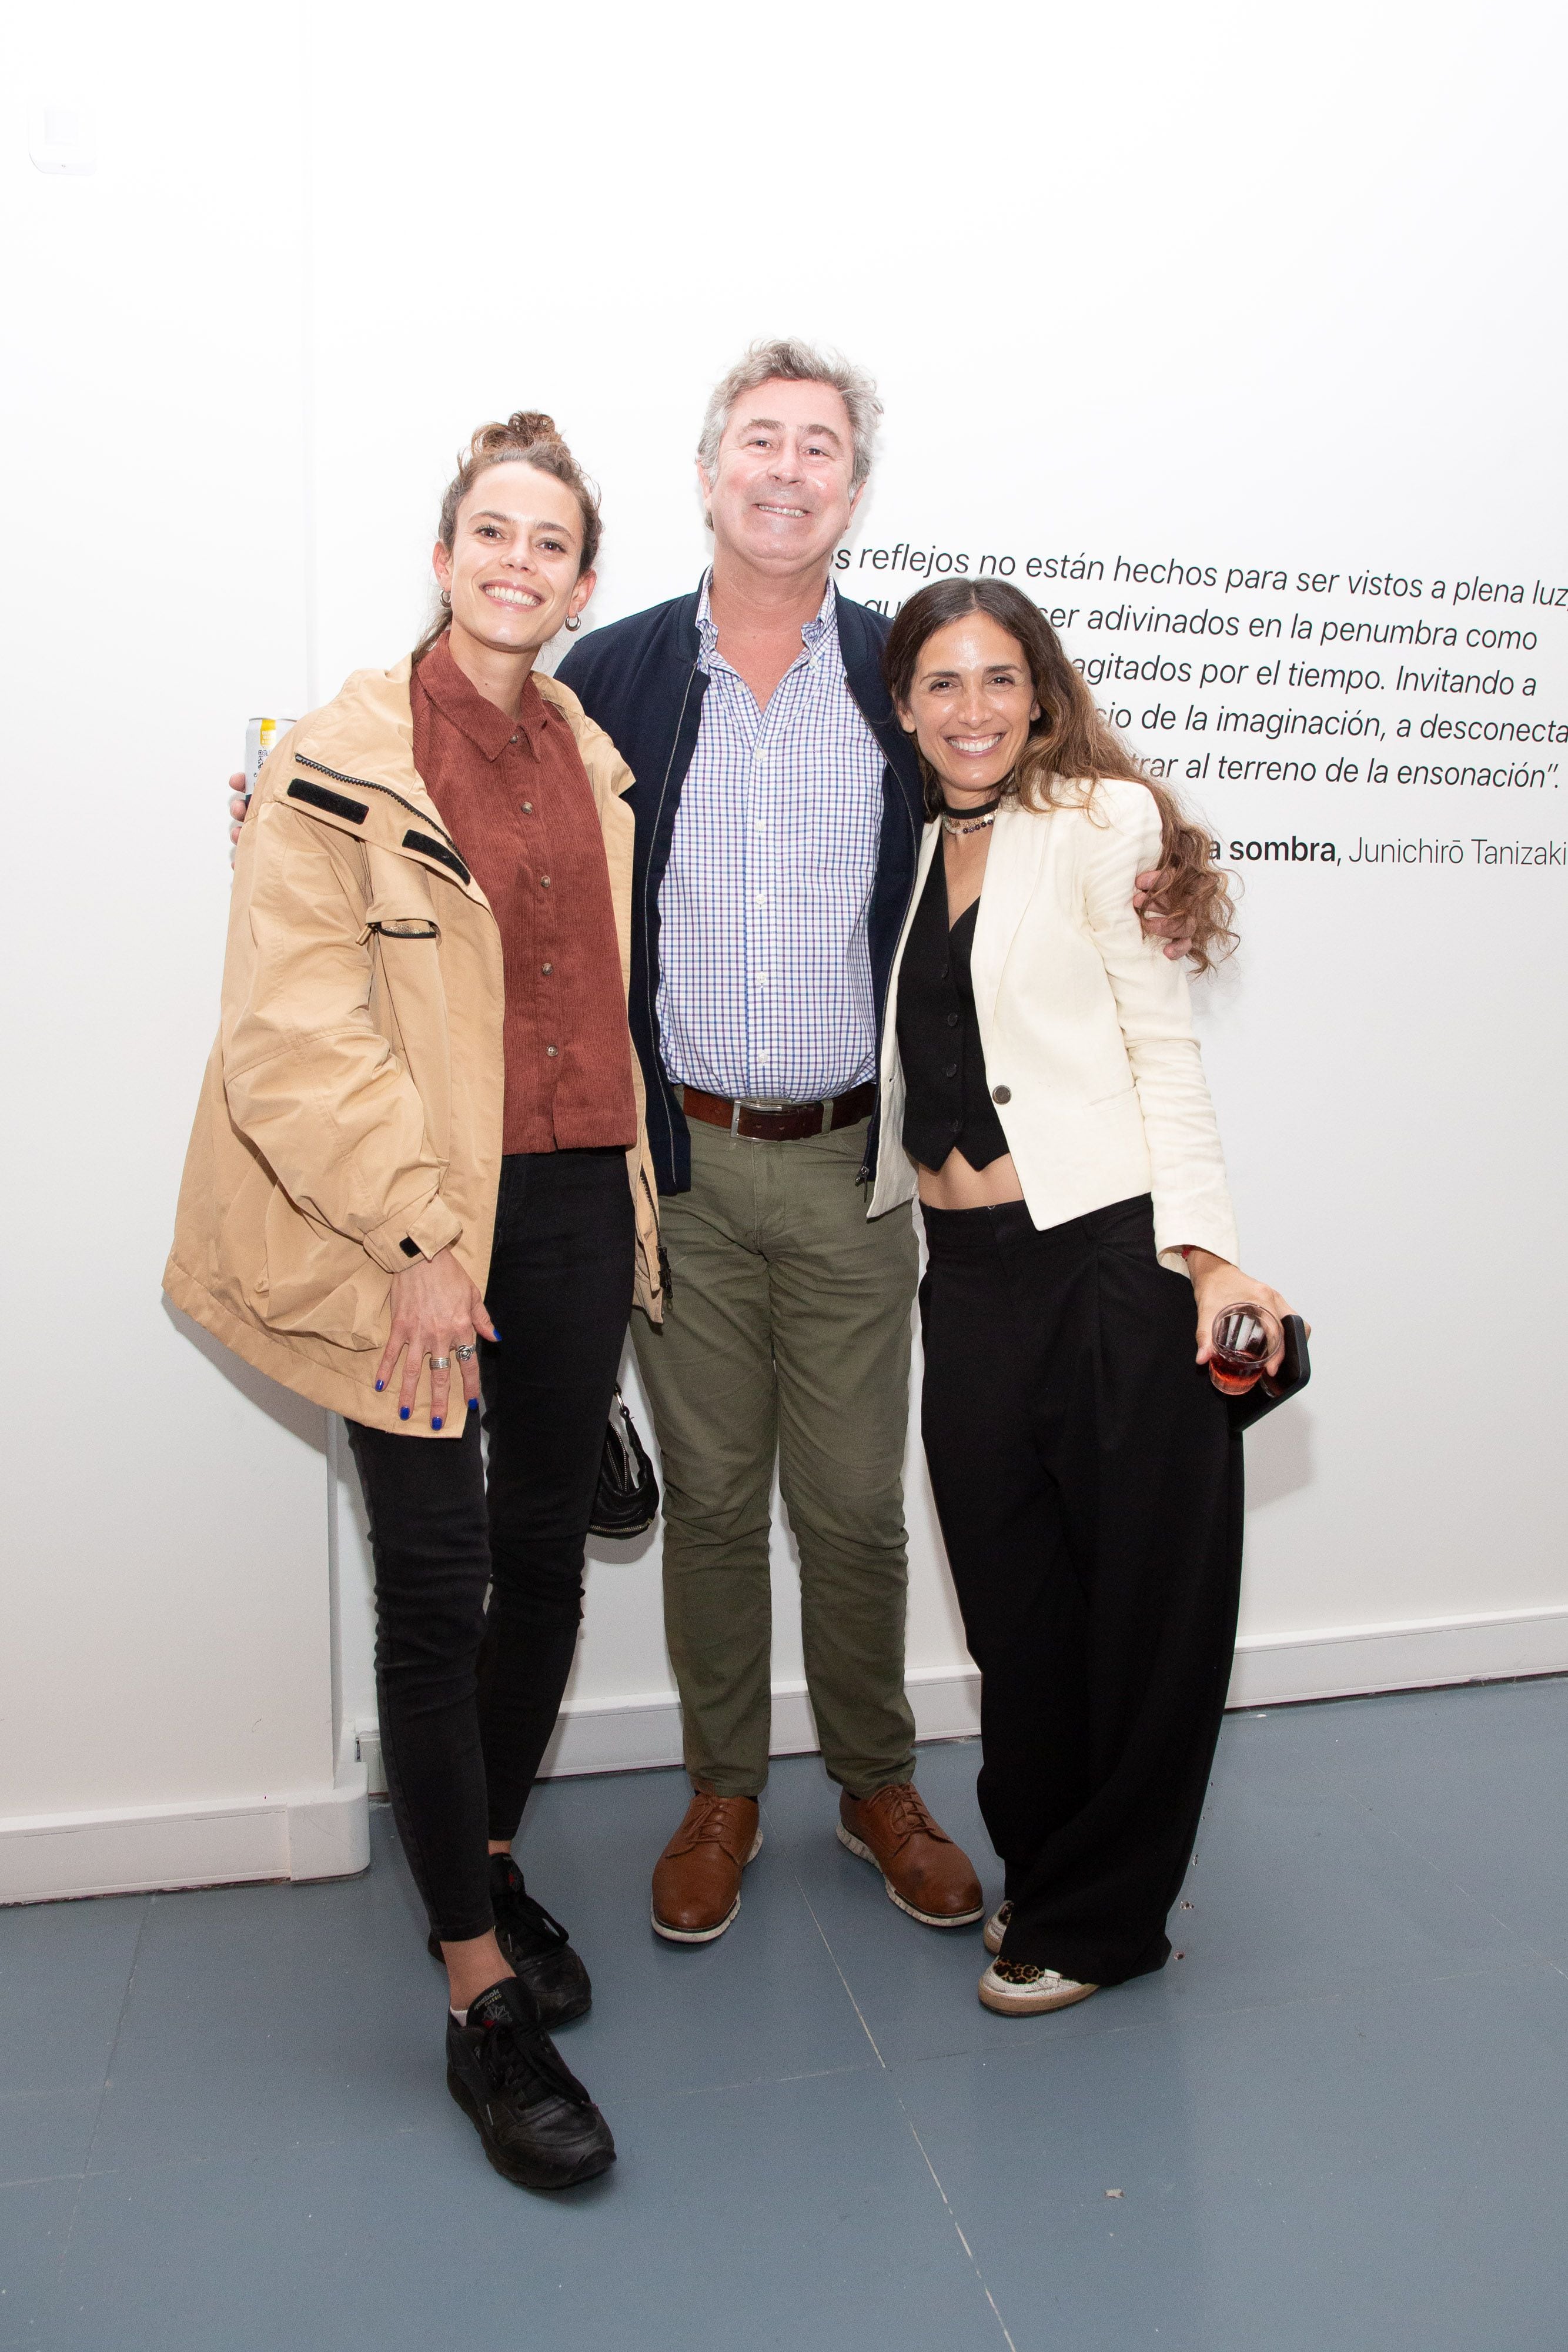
469,1695
1090,1495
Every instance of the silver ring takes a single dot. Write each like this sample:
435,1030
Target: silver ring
441,1363
464,1353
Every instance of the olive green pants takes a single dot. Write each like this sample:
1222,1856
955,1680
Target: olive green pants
787,1336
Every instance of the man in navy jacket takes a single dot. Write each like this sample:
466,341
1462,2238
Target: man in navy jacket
778,813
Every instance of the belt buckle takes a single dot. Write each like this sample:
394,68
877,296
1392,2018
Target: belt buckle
763,1110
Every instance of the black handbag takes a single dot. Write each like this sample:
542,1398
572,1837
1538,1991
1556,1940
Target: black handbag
627,1500
1294,1373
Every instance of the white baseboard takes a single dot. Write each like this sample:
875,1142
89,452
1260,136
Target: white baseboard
1351,1661
324,1833
142,1849
641,1733
637,1735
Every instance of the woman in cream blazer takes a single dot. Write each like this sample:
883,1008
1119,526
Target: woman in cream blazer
1043,1091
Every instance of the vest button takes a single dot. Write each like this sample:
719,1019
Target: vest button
950,1070
1001,1094
952,1021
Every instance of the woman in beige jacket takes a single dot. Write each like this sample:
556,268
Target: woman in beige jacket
1040,1073
420,1157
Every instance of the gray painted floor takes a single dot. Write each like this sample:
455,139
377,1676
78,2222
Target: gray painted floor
1339,2122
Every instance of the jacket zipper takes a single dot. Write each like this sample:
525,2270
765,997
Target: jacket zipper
364,785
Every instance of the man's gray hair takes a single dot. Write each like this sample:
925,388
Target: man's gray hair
794,362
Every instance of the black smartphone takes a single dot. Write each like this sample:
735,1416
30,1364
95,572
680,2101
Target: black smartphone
1295,1371
1296,1365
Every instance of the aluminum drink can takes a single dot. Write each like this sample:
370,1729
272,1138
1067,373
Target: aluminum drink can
260,735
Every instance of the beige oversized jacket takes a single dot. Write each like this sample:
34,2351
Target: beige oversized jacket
353,1096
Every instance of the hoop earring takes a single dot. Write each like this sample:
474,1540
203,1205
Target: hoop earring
574,620
446,598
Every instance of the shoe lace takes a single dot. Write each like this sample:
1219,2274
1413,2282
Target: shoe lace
715,1824
526,1913
542,1921
906,1813
514,2058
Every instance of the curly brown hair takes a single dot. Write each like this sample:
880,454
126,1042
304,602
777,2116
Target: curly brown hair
1070,748
527,437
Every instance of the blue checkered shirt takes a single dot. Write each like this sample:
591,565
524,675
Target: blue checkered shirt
765,987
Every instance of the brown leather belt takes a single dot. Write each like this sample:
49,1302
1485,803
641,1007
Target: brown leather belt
792,1124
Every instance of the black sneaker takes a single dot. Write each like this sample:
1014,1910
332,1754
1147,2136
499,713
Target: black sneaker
539,2127
536,1947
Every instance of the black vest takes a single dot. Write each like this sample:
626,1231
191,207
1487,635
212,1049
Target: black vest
948,1103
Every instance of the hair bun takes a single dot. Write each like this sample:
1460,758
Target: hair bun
527,428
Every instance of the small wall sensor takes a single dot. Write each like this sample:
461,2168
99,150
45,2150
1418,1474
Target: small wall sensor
60,137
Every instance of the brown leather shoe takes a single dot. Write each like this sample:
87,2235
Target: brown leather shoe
923,1872
697,1879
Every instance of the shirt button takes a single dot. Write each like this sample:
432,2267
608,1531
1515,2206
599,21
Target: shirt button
511,739
952,1021
1001,1094
951,1071
544,881
547,967
943,973
553,1051
954,1126
528,808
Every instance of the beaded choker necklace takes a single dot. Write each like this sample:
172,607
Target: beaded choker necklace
961,821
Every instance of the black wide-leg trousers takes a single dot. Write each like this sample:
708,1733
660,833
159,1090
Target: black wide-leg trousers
469,1695
1089,1490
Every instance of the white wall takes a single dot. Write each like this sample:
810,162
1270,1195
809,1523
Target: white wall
166,1671
1236,286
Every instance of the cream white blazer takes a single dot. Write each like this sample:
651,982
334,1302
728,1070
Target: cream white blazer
1086,1025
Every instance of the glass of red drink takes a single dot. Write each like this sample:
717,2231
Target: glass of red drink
1243,1339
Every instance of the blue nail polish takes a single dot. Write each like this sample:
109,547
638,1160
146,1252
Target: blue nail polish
435,1420
380,1386
402,1412
473,1404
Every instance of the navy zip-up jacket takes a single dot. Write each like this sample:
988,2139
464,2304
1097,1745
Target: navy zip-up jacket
639,679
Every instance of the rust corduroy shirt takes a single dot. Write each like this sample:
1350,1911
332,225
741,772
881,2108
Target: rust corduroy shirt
516,799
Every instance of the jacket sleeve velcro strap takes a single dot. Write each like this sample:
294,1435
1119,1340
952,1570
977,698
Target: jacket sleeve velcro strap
433,1226
442,852
335,803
